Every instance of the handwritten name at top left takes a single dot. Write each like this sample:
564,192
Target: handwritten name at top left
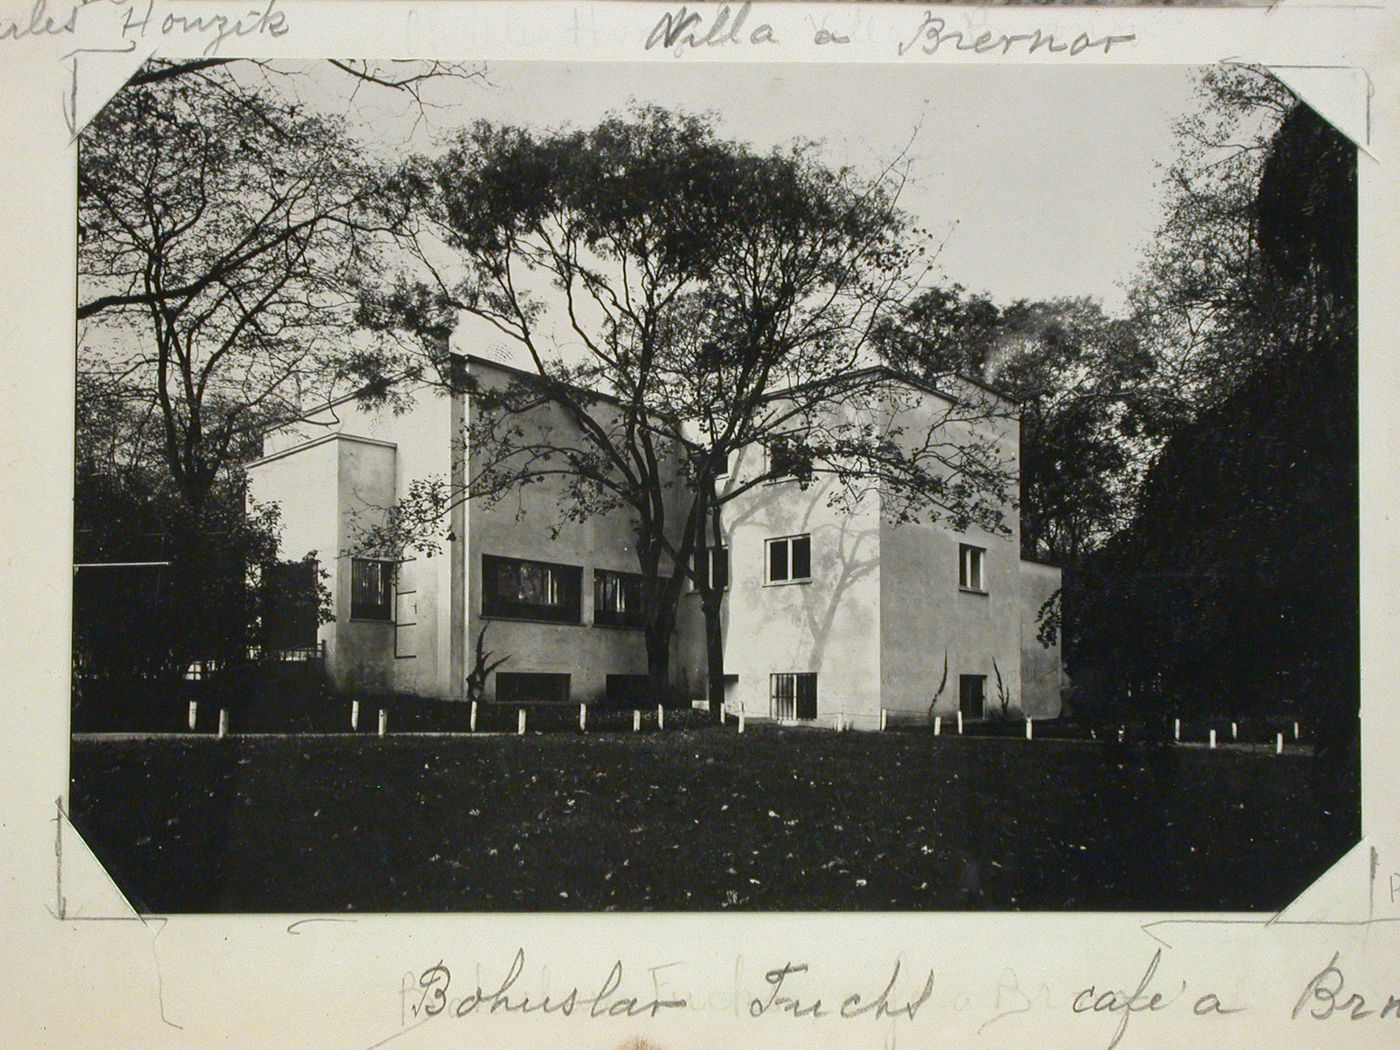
140,20
39,22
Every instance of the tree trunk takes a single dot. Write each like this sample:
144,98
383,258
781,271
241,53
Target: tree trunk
710,602
658,642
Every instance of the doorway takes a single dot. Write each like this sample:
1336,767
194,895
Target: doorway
972,696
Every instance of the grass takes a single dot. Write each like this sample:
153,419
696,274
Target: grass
775,819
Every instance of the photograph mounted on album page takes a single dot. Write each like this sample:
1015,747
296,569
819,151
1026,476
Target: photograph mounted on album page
661,525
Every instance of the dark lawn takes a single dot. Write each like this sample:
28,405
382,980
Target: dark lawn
697,819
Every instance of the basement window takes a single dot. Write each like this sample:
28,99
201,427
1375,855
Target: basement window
531,688
792,696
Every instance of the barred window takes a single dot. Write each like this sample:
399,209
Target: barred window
530,590
617,598
371,589
793,696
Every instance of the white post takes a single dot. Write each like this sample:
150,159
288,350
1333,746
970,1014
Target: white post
194,714
1212,738
636,721
471,724
959,721
741,719
1295,730
719,714
884,719
354,715
1028,729
1278,745
583,718
1176,732
1234,730
383,721
660,717
223,722
520,723
937,725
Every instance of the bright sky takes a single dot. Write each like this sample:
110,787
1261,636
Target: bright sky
1044,179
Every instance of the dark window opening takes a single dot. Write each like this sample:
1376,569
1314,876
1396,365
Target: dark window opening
712,565
972,696
790,457
628,691
531,688
793,696
530,590
371,589
617,598
790,559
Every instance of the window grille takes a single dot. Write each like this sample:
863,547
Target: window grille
793,696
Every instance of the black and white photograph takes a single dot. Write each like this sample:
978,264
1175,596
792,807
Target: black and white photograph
636,487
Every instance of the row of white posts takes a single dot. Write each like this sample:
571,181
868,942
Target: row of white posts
194,718
520,719
723,711
842,723
1235,734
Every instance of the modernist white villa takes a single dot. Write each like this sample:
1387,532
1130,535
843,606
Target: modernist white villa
830,616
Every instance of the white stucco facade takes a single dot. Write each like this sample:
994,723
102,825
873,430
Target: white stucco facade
872,616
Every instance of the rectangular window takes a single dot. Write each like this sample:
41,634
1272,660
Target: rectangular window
789,456
371,587
792,696
712,565
971,562
627,690
530,590
617,598
790,559
524,688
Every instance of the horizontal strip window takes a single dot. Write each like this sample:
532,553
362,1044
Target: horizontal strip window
617,598
517,687
531,590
